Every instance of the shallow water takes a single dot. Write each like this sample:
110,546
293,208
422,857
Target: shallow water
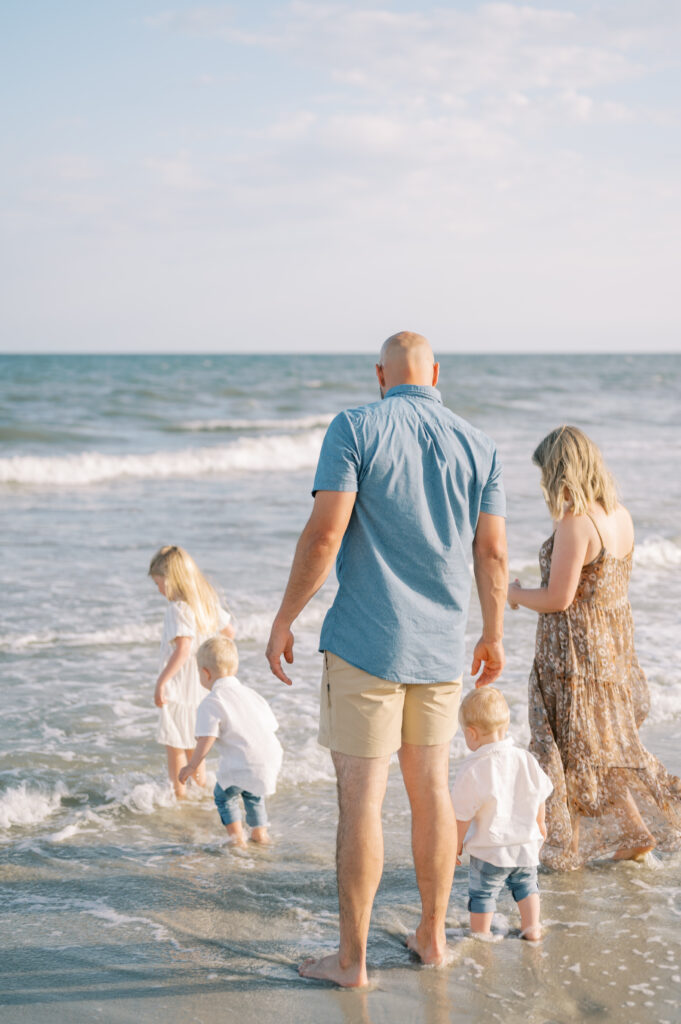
116,902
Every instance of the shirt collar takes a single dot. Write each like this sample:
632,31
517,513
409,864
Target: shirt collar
417,390
225,681
490,748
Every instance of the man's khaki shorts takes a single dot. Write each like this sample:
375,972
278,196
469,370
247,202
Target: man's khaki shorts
366,716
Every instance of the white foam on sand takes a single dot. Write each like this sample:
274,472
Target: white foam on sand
275,453
23,806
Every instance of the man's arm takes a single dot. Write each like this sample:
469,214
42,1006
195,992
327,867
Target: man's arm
315,554
490,562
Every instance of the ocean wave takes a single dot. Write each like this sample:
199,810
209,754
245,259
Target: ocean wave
23,806
284,453
217,425
657,553
135,633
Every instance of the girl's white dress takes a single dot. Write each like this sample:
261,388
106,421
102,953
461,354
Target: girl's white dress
183,693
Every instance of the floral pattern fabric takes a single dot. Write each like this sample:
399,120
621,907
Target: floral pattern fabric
587,699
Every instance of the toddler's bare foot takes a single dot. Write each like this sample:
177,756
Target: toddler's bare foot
531,934
328,968
235,831
260,835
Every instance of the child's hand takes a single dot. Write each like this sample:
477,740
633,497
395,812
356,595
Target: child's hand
159,695
513,589
184,774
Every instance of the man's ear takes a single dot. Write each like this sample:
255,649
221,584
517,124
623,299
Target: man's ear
380,374
436,373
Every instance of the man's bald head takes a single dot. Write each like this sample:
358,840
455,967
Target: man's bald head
406,358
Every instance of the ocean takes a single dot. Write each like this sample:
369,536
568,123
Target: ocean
118,904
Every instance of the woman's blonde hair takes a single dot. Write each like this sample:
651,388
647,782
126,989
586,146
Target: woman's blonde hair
219,654
186,582
573,473
484,709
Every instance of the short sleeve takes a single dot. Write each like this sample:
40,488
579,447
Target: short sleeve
181,621
465,796
207,718
493,495
338,466
539,778
224,618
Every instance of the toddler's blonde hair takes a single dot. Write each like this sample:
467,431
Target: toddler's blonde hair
219,654
573,473
484,709
185,582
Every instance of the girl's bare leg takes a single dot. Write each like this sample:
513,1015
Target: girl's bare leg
199,775
177,758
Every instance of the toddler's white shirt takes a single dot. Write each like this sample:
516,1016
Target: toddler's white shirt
499,788
243,722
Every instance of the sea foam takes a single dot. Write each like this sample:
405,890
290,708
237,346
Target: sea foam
23,806
284,453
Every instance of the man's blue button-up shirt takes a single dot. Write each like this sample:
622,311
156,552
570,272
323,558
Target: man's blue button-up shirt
422,476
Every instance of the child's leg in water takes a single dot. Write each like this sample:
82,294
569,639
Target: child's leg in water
236,833
177,759
256,817
481,923
530,928
199,775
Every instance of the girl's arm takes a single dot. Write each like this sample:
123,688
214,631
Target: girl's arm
203,745
183,647
570,546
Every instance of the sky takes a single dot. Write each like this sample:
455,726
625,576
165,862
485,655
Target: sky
314,176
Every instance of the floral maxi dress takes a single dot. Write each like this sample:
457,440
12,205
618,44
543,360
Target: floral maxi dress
587,698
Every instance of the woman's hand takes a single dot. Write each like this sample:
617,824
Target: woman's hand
513,589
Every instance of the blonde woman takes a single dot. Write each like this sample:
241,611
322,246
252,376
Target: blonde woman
587,694
194,613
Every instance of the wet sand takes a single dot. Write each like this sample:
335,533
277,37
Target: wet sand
217,936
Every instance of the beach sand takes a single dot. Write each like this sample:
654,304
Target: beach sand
218,936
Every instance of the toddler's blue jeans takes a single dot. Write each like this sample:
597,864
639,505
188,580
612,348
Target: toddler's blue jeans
229,806
485,882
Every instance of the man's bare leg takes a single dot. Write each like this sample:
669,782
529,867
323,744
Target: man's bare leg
359,862
433,840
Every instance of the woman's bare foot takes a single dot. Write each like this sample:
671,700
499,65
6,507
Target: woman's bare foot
259,835
635,852
328,968
432,954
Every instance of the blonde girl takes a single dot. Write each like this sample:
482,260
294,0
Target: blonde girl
194,613
587,693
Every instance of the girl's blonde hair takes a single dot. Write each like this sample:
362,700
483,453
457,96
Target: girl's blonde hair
573,473
185,582
484,709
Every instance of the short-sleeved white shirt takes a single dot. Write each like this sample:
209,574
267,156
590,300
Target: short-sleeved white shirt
500,788
243,722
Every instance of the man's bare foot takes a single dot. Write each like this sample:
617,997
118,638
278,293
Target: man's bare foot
635,852
259,835
328,968
431,954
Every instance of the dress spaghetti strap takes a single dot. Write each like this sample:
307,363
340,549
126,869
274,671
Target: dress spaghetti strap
596,529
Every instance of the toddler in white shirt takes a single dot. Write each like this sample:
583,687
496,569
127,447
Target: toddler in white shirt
499,800
240,723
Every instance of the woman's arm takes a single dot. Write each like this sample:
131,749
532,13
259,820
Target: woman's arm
183,646
570,545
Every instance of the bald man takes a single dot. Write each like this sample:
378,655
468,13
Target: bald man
404,489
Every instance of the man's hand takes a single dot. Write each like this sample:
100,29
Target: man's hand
491,654
280,642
